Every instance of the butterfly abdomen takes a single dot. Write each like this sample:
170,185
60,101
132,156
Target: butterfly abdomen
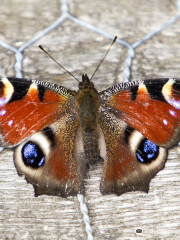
91,146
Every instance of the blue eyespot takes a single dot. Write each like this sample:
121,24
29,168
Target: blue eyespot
32,155
147,151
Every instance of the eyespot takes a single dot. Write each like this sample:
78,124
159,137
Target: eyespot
32,155
147,151
147,159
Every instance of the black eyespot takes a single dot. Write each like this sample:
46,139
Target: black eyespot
32,155
147,151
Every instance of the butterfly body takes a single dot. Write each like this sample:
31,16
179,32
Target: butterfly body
87,106
56,132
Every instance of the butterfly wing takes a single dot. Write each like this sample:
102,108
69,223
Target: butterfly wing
139,121
39,120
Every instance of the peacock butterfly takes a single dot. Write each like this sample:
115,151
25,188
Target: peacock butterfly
56,132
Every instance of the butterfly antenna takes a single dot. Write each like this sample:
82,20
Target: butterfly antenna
57,62
103,57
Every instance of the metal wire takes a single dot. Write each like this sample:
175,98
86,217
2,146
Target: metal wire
86,219
65,15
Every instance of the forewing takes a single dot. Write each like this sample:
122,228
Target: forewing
27,107
150,106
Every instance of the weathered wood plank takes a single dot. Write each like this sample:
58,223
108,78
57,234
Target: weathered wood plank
22,216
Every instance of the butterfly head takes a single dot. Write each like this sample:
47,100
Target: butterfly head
86,83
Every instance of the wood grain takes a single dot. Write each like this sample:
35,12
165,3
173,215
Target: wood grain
22,216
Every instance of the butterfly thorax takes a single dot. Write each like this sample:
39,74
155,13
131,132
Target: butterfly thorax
87,105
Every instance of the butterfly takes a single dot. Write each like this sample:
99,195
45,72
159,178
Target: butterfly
55,132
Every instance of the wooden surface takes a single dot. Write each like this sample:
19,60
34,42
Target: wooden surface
22,216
